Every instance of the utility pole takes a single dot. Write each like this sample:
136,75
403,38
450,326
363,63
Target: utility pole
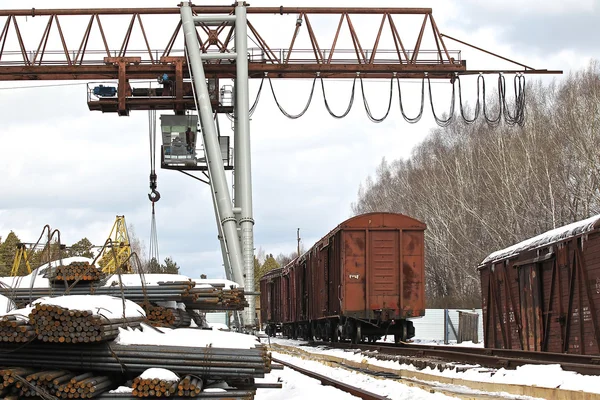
298,239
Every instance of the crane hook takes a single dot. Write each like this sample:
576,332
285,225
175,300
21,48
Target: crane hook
154,196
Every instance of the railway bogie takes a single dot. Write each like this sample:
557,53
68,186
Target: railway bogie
360,282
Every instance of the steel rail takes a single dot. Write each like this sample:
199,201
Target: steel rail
493,358
327,381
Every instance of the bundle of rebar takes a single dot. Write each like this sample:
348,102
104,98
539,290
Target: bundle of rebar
189,386
9,378
206,362
213,298
158,315
84,386
78,270
182,318
59,324
153,387
217,299
13,329
43,380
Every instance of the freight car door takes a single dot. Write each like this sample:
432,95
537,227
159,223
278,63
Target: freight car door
354,272
383,270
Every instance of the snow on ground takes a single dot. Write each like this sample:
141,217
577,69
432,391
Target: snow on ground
122,389
298,386
107,306
549,376
390,339
185,337
160,373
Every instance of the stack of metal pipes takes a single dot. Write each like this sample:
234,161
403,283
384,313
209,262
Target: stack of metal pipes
79,270
154,387
216,299
231,365
158,315
59,324
189,386
163,291
84,386
13,329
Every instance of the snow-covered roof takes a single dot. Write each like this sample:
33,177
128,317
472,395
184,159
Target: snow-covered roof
552,236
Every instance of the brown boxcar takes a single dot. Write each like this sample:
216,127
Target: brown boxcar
543,294
361,281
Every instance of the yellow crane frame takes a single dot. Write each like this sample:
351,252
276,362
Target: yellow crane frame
20,255
120,243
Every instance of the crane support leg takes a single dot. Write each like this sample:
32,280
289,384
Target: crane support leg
218,181
242,158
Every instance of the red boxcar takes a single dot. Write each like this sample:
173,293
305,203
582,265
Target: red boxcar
361,281
543,294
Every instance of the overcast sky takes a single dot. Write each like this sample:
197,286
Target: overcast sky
74,169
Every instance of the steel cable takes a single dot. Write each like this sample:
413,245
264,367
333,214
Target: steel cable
366,104
312,91
418,117
460,103
350,102
442,122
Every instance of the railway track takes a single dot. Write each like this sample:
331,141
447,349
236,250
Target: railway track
491,358
448,385
327,381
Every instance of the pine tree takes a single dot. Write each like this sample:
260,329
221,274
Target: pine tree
8,248
153,267
83,248
170,266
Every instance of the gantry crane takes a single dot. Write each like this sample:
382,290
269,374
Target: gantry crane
216,39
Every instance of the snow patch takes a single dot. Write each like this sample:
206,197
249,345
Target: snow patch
185,337
6,305
160,373
122,389
211,282
107,306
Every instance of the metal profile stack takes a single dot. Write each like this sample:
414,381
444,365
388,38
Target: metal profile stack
189,386
211,362
154,387
59,324
203,298
84,386
78,270
13,329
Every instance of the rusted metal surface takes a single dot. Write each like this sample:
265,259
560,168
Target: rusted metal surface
546,298
362,280
327,381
